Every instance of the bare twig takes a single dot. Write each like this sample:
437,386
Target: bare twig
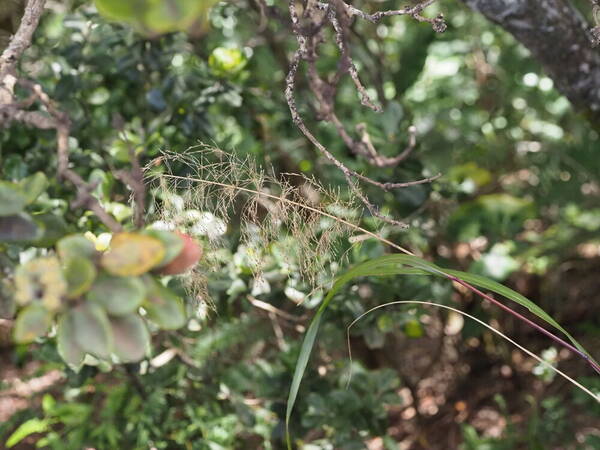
61,123
338,13
324,92
273,310
346,60
13,110
415,11
134,178
384,161
22,38
278,332
595,31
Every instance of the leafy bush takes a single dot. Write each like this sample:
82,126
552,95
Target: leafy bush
206,359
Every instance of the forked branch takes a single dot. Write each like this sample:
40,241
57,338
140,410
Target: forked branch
50,117
339,15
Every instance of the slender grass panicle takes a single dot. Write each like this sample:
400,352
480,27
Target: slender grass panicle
308,219
317,218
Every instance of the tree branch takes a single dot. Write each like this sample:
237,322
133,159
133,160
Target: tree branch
309,37
557,36
133,178
22,38
52,118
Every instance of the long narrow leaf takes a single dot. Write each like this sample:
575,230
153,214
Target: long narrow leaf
390,263
370,268
498,288
481,322
399,264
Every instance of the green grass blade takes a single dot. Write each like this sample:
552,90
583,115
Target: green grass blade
500,289
399,264
388,265
383,266
307,345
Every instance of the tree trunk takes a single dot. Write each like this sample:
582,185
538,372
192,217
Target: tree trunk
558,37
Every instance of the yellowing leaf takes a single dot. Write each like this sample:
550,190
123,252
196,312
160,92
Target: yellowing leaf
132,254
158,16
32,322
40,279
172,242
80,273
116,9
166,16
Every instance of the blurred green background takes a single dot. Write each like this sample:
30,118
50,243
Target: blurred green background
518,201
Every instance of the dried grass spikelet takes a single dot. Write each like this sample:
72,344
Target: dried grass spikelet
307,219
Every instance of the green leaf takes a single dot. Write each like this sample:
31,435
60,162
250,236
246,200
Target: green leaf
32,322
385,265
498,288
116,9
132,340
117,295
75,246
132,254
80,273
151,16
164,307
33,186
412,53
48,404
172,242
164,17
54,227
393,264
92,331
27,428
19,228
68,348
397,264
12,199
413,329
226,61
